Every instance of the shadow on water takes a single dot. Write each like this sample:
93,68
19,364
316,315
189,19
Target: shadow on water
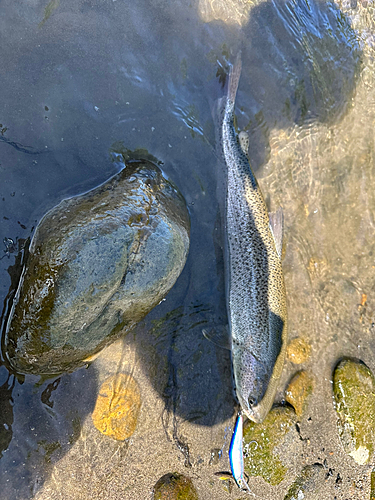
301,60
37,412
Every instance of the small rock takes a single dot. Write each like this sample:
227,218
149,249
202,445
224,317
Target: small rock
174,487
117,407
372,491
299,388
97,264
260,441
307,485
298,350
354,394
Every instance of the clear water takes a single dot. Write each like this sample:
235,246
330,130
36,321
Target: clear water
79,76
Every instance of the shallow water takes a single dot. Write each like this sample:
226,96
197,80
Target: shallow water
78,78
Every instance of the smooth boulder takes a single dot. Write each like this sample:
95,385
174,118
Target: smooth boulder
97,264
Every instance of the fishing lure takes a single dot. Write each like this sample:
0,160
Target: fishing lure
236,455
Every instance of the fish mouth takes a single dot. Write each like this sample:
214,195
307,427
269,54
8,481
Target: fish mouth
256,413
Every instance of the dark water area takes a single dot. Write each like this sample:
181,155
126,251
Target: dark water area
81,79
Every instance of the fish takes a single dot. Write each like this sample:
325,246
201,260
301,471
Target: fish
255,290
236,455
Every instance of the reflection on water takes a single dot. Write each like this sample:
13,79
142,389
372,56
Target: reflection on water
231,12
80,77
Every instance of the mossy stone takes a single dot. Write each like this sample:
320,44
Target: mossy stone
372,480
97,264
354,394
260,441
307,485
174,487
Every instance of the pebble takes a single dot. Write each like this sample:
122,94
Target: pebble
117,407
307,486
299,388
298,350
174,486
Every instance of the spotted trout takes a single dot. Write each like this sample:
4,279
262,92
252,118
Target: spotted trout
256,299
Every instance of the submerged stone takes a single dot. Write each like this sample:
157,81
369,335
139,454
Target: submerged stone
299,388
261,440
117,407
97,264
354,393
174,487
298,350
307,486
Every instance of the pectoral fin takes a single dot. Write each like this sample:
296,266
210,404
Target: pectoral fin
219,335
277,228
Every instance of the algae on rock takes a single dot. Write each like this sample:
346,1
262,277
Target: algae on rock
354,393
174,487
260,441
97,264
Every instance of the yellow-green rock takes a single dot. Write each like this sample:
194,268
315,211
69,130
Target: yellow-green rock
372,490
260,441
174,487
298,350
307,484
117,407
299,388
354,394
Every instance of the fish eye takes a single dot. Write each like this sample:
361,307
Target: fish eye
252,401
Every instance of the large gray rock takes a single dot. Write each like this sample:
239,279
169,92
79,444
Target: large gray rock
98,263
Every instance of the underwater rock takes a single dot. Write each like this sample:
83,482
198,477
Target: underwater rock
261,440
174,487
117,407
299,388
307,484
97,264
298,350
354,393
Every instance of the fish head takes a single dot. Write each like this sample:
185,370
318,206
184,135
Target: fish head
251,379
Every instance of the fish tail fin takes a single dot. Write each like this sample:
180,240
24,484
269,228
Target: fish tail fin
234,78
